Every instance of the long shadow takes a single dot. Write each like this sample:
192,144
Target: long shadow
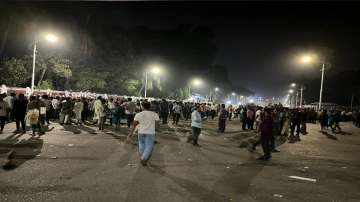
87,129
20,152
344,133
328,135
71,128
238,179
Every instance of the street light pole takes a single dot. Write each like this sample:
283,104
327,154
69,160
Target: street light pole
146,82
301,96
33,69
322,83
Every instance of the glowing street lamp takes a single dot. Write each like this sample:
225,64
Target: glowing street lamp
155,70
291,91
293,85
233,94
51,38
216,89
306,59
196,82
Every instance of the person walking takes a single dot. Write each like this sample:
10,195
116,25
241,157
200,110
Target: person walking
294,123
4,109
10,101
33,115
130,107
323,119
48,106
99,110
66,109
147,121
222,118
250,118
336,120
244,118
164,111
266,128
196,125
177,112
19,111
78,109
230,110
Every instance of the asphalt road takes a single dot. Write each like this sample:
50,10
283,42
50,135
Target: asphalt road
81,164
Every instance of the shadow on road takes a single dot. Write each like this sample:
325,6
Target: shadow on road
20,151
328,135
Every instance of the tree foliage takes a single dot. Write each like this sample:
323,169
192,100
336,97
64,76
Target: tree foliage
13,72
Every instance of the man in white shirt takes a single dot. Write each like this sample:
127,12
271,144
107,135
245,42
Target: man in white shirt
177,112
196,124
146,133
130,107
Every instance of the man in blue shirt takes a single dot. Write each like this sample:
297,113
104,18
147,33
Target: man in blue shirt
196,124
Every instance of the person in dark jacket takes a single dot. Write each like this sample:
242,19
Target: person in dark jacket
19,111
222,118
323,119
164,111
294,123
266,129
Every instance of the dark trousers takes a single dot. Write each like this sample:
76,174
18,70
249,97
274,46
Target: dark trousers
164,116
212,114
34,126
222,125
130,119
176,118
250,124
2,122
265,143
18,121
230,116
46,118
292,128
102,122
196,132
244,124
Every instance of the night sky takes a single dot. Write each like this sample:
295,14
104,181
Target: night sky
257,42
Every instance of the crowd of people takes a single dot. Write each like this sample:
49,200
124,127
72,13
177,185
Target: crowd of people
37,111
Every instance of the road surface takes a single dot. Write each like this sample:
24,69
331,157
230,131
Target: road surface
79,163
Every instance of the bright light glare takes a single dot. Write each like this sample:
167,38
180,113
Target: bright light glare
196,82
306,59
51,38
217,89
291,91
228,102
155,70
251,100
241,97
293,84
233,94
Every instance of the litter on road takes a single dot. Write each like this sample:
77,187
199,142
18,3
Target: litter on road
278,195
303,178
